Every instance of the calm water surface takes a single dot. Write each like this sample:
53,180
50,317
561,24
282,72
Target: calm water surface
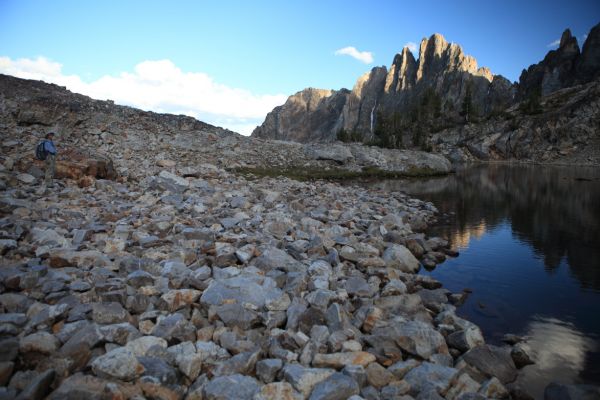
529,242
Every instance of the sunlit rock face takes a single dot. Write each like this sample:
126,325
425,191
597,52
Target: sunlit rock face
441,67
444,102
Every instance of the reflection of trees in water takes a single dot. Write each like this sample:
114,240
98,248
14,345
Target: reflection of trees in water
550,208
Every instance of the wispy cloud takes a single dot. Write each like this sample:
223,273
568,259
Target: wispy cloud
363,56
412,46
584,37
159,86
553,44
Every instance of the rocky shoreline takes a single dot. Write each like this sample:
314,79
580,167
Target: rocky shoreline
214,287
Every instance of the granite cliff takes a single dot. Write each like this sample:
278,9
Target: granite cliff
444,90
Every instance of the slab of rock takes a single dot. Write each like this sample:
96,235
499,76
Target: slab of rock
81,259
159,369
120,363
140,346
278,391
80,386
465,340
274,258
522,354
267,369
339,360
109,313
304,379
39,342
39,387
179,298
7,244
462,387
399,257
26,178
231,387
171,182
492,361
431,376
247,288
493,389
6,370
378,376
174,326
415,337
338,386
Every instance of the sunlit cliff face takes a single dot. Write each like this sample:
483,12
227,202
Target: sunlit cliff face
559,350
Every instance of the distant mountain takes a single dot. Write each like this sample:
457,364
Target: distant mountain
444,88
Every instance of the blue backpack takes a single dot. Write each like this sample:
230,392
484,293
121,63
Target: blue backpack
40,151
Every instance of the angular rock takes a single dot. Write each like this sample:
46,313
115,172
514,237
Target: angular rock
492,361
119,363
465,340
399,257
304,379
231,387
176,299
431,376
335,387
39,387
378,376
267,369
339,360
278,391
415,337
140,346
109,313
39,342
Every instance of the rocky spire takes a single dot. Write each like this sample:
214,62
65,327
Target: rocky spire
556,71
588,65
402,73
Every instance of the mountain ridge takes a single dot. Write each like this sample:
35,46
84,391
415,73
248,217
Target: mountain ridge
401,107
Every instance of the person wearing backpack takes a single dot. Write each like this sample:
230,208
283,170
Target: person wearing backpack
50,152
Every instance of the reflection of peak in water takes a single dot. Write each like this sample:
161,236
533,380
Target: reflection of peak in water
560,354
461,238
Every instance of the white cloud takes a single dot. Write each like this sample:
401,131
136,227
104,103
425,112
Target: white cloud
363,56
584,37
159,86
554,44
412,46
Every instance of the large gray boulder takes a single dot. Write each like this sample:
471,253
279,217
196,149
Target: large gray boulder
431,376
332,152
338,386
399,257
492,361
231,387
120,363
245,288
414,337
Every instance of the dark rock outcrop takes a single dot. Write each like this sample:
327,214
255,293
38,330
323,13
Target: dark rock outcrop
555,72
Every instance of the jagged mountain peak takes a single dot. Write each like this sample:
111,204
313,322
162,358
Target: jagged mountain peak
442,81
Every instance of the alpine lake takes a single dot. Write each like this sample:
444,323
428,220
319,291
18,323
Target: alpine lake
529,244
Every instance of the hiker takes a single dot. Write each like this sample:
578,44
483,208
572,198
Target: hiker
50,150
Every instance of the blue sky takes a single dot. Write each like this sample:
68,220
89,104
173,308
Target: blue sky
259,51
